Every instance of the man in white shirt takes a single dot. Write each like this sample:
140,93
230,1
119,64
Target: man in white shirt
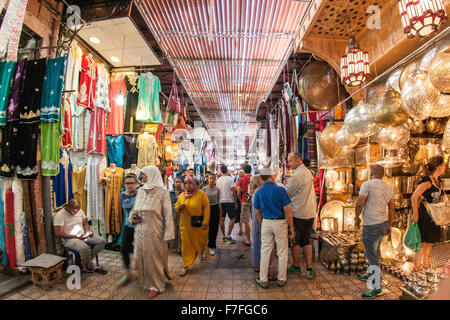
228,202
71,225
375,200
300,188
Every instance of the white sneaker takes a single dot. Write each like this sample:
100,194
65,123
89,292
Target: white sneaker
203,256
212,252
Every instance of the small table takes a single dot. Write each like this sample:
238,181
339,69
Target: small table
46,269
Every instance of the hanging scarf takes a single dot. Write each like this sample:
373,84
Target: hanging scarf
154,178
189,194
13,43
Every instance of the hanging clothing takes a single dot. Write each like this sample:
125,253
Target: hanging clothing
130,150
117,94
17,92
95,165
4,255
78,116
52,90
131,123
97,134
193,240
27,143
102,88
16,30
10,241
115,149
113,209
150,236
62,183
18,220
9,144
73,67
7,25
78,182
66,140
146,143
6,79
87,82
30,102
148,106
50,142
29,226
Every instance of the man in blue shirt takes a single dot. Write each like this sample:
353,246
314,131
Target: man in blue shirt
274,215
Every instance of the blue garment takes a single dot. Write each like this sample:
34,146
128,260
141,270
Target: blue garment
4,260
26,241
127,202
52,89
115,149
271,199
61,179
372,236
6,80
256,238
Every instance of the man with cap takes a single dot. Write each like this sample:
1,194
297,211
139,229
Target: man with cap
274,215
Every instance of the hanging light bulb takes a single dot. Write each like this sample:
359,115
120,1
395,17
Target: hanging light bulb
354,64
421,17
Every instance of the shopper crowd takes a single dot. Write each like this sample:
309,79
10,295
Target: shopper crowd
188,218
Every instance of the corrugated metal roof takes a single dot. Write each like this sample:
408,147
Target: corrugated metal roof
230,59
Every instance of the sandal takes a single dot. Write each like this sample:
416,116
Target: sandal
247,244
183,272
152,294
100,270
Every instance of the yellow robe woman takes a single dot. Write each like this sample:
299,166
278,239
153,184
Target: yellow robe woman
113,209
193,240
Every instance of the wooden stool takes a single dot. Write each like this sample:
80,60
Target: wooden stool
46,277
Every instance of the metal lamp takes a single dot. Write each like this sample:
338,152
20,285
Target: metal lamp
421,17
354,64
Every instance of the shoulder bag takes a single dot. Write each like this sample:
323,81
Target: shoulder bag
196,221
439,212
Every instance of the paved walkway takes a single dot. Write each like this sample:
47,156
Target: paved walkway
206,282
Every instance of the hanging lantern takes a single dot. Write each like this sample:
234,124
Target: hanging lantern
354,64
345,139
359,121
440,71
419,97
421,17
389,111
392,138
446,140
327,141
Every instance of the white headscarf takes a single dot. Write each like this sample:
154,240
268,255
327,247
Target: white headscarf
154,178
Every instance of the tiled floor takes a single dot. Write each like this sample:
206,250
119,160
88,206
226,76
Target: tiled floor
206,282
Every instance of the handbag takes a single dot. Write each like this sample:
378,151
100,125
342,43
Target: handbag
169,171
439,212
174,101
196,221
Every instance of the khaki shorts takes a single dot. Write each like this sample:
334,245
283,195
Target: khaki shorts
246,212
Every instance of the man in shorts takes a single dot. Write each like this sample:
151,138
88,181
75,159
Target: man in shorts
246,206
300,188
228,202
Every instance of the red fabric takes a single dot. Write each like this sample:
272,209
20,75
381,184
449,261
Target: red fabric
97,132
9,228
88,81
115,118
66,139
244,183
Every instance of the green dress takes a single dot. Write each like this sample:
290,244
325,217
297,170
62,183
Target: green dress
51,133
148,103
6,79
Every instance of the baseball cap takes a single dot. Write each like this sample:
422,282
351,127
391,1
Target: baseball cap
266,171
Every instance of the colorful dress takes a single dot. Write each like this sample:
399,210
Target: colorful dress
150,236
78,181
148,106
8,159
114,147
50,142
66,140
131,124
30,102
4,260
6,79
102,88
62,183
97,132
27,146
117,94
52,89
95,165
146,143
87,82
113,209
193,240
130,150
17,91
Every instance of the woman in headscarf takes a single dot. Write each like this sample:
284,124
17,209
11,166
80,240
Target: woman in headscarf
193,205
152,217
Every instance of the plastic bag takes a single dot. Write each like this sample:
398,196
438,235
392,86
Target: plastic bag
412,238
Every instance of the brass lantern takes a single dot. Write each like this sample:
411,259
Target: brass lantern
421,17
389,111
354,64
440,69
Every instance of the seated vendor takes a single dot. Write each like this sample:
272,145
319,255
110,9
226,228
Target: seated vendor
71,225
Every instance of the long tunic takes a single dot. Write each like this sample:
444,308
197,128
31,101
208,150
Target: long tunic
6,79
150,236
62,184
78,181
30,102
131,124
94,190
113,208
87,82
52,90
50,141
148,107
4,259
117,94
146,143
193,240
